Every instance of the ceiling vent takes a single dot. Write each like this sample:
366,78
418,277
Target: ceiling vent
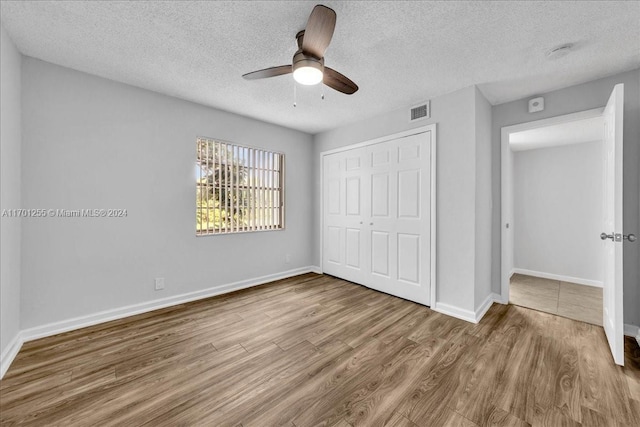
420,112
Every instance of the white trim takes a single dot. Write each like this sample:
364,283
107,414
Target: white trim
484,307
498,298
551,276
506,178
315,269
131,310
10,353
556,120
453,311
506,208
433,226
632,331
467,315
409,132
321,213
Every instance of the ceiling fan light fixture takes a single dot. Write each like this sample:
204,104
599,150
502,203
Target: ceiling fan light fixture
308,72
307,76
307,65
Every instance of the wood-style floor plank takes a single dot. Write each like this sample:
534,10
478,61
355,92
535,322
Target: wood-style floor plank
316,350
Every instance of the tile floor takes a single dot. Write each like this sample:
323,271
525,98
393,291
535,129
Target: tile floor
578,302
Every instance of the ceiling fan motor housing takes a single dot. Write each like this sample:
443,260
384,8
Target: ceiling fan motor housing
304,65
302,60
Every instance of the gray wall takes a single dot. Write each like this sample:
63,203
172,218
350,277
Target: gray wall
483,208
570,100
94,143
10,137
557,216
455,116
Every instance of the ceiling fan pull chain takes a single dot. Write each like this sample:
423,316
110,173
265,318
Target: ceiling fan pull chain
295,94
322,92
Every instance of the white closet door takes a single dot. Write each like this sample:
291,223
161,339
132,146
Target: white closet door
377,216
344,209
399,222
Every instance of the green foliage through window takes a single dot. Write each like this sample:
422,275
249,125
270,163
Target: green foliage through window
237,188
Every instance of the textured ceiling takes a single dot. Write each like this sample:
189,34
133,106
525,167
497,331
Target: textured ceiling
399,53
576,132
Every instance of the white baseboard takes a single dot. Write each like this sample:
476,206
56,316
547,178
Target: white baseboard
10,353
118,313
468,315
131,310
499,299
550,276
315,269
453,311
632,331
7,356
484,307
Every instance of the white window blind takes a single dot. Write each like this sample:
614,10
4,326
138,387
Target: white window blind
238,189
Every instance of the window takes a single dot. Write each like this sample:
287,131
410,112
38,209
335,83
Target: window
238,188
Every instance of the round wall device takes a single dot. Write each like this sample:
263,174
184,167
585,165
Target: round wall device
536,104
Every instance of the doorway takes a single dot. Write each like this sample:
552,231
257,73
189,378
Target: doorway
612,236
557,216
553,183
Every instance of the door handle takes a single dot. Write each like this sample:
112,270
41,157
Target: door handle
617,237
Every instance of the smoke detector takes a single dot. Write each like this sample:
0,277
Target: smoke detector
559,51
536,104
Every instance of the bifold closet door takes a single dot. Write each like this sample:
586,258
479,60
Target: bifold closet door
344,253
376,216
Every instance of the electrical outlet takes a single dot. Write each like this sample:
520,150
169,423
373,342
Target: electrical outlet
287,258
159,283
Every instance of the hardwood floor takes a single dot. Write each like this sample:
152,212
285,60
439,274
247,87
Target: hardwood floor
577,302
316,350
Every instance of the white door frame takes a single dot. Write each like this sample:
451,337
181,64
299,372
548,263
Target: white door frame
428,128
506,177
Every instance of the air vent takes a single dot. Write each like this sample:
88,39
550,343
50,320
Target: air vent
420,112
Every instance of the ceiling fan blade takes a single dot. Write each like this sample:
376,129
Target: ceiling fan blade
319,31
268,72
339,82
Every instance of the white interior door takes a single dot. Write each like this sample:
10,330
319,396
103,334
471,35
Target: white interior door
377,216
343,232
400,217
612,223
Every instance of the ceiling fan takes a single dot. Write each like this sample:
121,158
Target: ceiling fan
308,62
